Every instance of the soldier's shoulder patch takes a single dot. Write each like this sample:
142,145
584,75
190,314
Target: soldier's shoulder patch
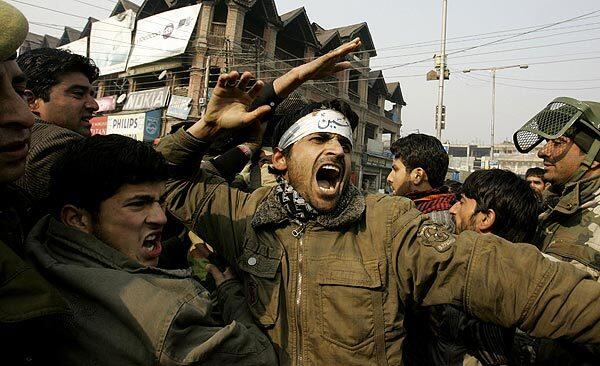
436,236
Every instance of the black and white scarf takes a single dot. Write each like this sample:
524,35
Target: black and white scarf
296,207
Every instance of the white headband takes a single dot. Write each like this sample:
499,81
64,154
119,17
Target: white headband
326,120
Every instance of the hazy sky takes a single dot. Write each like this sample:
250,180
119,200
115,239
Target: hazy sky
409,31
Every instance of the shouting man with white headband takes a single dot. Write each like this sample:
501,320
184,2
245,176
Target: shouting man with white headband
327,271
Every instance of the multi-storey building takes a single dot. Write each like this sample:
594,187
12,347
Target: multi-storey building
466,158
251,35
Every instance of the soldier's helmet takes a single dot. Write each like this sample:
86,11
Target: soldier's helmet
13,30
562,117
568,117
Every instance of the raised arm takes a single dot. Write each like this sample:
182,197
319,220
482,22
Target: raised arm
508,284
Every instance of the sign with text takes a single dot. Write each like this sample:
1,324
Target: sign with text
179,107
98,125
143,126
163,35
107,104
110,42
130,125
147,99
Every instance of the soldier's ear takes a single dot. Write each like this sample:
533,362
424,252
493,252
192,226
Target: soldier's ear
486,221
76,218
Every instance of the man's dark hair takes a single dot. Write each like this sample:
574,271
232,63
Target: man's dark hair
453,185
535,172
95,168
44,66
302,109
423,151
511,198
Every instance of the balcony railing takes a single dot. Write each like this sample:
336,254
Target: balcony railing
374,108
353,97
216,37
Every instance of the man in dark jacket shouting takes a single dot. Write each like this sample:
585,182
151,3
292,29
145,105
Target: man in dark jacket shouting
327,272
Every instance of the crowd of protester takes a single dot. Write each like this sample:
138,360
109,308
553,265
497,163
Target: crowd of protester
300,266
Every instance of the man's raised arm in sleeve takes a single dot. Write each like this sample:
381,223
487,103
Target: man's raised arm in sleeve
508,284
205,203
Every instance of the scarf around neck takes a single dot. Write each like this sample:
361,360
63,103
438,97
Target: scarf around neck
436,199
295,206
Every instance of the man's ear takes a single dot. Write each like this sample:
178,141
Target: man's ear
76,218
279,160
418,176
486,221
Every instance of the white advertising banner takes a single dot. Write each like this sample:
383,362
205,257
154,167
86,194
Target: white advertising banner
147,99
163,35
130,125
78,47
110,42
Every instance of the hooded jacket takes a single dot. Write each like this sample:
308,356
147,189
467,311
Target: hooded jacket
31,310
125,313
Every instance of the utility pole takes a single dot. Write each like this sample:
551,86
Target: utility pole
493,124
493,127
438,122
206,80
257,57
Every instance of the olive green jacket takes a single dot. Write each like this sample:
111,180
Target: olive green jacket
31,309
127,314
334,291
571,230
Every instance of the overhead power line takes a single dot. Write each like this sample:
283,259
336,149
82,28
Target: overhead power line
529,87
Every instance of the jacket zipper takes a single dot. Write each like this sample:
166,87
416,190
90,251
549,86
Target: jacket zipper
298,233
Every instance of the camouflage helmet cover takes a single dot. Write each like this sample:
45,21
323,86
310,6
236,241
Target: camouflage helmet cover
13,30
555,120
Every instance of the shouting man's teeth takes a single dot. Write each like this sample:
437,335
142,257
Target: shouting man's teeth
150,242
327,177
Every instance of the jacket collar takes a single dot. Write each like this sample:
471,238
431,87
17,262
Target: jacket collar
74,245
349,209
577,194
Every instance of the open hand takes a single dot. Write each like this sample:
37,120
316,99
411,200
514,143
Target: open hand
228,106
329,63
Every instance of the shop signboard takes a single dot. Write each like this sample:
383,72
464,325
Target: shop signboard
98,125
110,42
376,161
130,125
152,125
179,107
107,104
147,99
142,126
163,35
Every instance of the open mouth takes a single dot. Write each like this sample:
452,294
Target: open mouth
328,178
152,245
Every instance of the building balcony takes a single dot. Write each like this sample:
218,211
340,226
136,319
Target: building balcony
374,108
353,97
216,37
